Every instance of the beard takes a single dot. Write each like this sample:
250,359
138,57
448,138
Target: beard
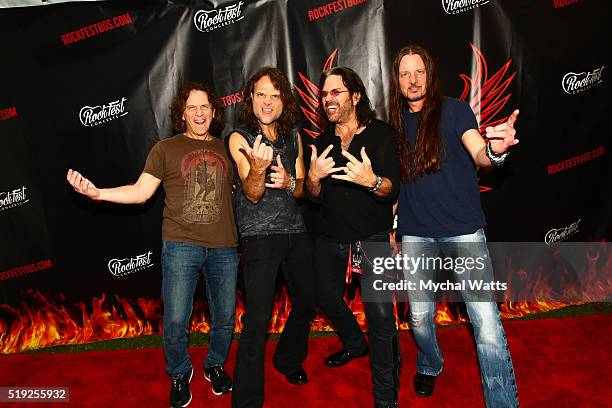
415,98
343,113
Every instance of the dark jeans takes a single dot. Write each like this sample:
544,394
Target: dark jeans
262,258
330,263
181,265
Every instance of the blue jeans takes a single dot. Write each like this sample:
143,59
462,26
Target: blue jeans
181,265
496,370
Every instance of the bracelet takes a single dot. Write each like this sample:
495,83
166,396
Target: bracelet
496,159
376,185
291,189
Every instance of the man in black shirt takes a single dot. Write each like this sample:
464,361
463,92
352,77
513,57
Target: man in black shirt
355,206
267,152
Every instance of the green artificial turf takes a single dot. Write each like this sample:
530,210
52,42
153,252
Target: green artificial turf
200,339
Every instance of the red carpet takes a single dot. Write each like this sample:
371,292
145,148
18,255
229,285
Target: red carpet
558,362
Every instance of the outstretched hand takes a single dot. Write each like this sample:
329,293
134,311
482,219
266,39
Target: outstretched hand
82,185
502,137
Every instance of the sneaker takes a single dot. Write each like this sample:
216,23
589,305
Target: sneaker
220,381
180,394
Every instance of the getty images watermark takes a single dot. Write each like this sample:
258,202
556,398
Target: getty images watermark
423,269
492,271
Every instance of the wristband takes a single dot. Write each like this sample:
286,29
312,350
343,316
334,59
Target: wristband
376,185
291,189
496,159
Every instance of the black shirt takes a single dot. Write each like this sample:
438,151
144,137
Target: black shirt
349,212
276,212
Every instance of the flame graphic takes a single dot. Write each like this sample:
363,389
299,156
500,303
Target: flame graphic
44,321
310,96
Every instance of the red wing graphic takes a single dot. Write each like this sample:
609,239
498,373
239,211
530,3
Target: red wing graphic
487,96
309,93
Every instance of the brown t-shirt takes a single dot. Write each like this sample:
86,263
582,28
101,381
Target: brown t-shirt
197,176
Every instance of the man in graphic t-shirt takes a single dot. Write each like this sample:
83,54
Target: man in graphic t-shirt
198,232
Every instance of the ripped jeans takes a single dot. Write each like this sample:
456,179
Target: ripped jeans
496,370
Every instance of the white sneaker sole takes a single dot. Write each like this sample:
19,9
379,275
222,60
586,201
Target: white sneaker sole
212,389
190,395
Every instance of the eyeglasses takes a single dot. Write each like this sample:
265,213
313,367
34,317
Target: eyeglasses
203,108
333,92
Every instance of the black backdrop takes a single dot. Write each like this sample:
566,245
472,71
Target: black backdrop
549,58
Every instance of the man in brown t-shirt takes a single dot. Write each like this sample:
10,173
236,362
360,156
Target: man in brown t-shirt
198,232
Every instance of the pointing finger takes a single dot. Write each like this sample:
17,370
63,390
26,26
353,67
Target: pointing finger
257,143
326,151
349,156
513,117
364,155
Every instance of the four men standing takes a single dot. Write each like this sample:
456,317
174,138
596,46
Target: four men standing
358,168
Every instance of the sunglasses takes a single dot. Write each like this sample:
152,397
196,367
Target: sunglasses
333,92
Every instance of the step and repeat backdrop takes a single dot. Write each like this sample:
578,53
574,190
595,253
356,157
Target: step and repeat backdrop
88,86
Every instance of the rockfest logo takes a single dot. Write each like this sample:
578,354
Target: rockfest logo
209,20
460,6
98,115
563,233
126,266
13,198
574,83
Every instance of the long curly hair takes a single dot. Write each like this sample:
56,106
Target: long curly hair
288,118
354,84
180,100
426,156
